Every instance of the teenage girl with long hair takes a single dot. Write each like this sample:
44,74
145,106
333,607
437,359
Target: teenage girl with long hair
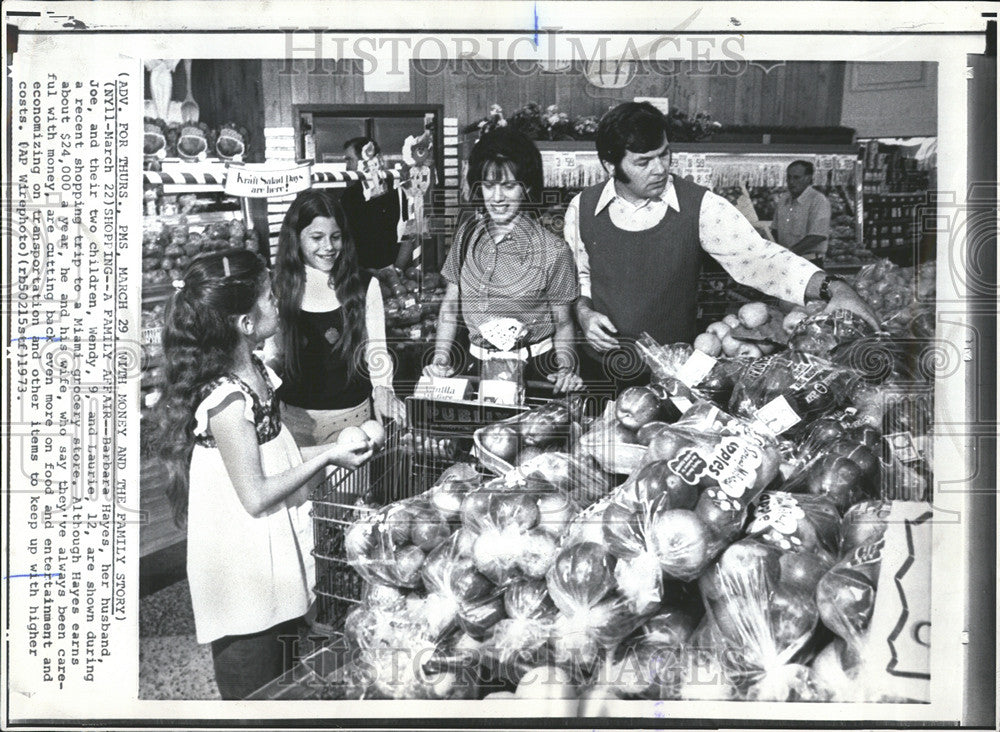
331,347
236,477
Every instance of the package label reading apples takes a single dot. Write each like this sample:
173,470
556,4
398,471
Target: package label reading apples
778,416
696,368
732,464
689,465
778,516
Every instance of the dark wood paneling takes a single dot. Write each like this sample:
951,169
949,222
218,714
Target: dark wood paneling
795,94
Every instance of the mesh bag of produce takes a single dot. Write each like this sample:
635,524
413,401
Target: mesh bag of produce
390,546
650,664
514,524
780,392
838,459
688,499
592,615
821,333
574,474
882,652
762,600
395,651
457,593
523,635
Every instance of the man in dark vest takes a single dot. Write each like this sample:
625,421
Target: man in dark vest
639,242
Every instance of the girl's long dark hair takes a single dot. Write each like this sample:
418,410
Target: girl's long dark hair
200,339
290,275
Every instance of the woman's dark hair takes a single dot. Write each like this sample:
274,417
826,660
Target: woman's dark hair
636,126
500,149
200,338
290,276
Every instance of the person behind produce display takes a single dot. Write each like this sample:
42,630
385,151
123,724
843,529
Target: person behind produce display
236,477
802,215
372,209
330,347
639,240
504,264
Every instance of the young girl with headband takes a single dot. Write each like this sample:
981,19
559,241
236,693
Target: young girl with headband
236,476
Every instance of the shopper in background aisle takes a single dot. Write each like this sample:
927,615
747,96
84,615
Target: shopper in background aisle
373,213
505,264
639,240
802,215
236,477
330,348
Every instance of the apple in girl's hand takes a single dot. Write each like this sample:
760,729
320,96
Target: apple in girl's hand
353,436
375,433
680,541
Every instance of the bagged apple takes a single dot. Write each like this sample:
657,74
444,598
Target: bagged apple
391,545
462,594
522,636
592,615
837,459
780,392
515,526
395,653
821,333
876,598
798,525
693,488
575,474
764,619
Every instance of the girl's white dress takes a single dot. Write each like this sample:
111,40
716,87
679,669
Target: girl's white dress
246,574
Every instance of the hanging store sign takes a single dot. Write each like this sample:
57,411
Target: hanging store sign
264,181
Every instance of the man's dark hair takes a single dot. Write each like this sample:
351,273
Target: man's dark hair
357,144
635,126
806,166
501,148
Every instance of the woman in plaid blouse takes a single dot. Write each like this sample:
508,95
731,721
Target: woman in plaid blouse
506,273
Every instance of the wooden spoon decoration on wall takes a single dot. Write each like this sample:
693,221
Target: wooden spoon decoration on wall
189,109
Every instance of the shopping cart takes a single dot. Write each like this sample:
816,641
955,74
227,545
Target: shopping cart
342,499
